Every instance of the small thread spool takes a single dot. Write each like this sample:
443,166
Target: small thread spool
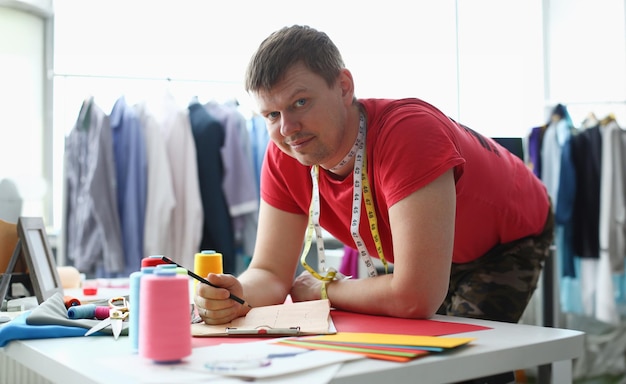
152,261
167,267
88,311
101,312
70,301
135,301
206,262
164,316
133,316
178,270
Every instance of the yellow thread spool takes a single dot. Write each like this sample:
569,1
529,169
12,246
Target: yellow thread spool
207,262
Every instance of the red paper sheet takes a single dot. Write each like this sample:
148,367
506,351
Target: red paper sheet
356,322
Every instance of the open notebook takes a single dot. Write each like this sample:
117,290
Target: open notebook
289,319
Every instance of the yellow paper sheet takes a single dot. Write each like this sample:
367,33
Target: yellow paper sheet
390,339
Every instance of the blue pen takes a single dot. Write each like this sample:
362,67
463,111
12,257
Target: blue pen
286,354
237,365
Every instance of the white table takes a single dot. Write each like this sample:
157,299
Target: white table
504,348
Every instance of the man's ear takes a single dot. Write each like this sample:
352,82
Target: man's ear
346,83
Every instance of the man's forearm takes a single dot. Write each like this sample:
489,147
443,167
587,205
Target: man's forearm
261,287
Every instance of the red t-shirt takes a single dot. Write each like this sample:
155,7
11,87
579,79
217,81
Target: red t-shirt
409,144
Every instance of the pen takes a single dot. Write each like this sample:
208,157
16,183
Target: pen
205,281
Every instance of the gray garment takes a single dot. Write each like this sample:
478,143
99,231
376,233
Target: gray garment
613,196
93,232
239,184
53,312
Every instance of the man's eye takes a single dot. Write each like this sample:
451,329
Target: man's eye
300,102
273,115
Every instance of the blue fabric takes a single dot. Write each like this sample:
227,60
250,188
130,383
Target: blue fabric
259,139
17,329
131,168
534,149
571,292
563,241
566,194
49,320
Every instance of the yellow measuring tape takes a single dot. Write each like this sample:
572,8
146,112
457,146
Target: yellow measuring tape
314,210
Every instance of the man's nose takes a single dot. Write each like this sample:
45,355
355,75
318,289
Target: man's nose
288,125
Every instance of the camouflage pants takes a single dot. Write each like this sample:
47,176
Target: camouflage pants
499,285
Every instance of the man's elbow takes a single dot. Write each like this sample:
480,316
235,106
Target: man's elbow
412,308
417,312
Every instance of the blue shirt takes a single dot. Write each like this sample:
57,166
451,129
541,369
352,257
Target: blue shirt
131,165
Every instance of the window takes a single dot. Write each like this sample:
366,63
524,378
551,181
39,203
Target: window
25,150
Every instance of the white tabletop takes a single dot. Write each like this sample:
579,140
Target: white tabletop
503,348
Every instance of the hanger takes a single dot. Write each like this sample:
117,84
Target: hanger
608,119
590,121
194,100
84,116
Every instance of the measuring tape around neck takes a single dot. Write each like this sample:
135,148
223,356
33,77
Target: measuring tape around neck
361,190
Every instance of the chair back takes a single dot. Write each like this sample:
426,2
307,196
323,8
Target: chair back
8,241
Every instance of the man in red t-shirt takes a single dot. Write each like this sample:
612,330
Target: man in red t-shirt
465,223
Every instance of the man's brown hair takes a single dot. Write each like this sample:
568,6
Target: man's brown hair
287,47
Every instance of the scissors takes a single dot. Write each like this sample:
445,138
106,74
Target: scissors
118,312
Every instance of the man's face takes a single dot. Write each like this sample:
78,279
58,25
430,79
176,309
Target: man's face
305,117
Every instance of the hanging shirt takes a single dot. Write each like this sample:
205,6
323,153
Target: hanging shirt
160,201
535,138
612,207
187,218
93,236
586,156
259,139
238,183
130,164
217,230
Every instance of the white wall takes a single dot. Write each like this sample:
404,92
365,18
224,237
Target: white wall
586,64
500,66
391,50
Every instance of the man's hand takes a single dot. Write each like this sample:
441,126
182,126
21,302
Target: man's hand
305,288
214,305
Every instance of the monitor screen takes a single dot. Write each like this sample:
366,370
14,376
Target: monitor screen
39,257
46,281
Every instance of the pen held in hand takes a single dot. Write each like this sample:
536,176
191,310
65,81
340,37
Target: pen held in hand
205,281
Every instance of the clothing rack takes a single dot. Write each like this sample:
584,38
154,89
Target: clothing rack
580,291
145,78
234,128
551,104
181,87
